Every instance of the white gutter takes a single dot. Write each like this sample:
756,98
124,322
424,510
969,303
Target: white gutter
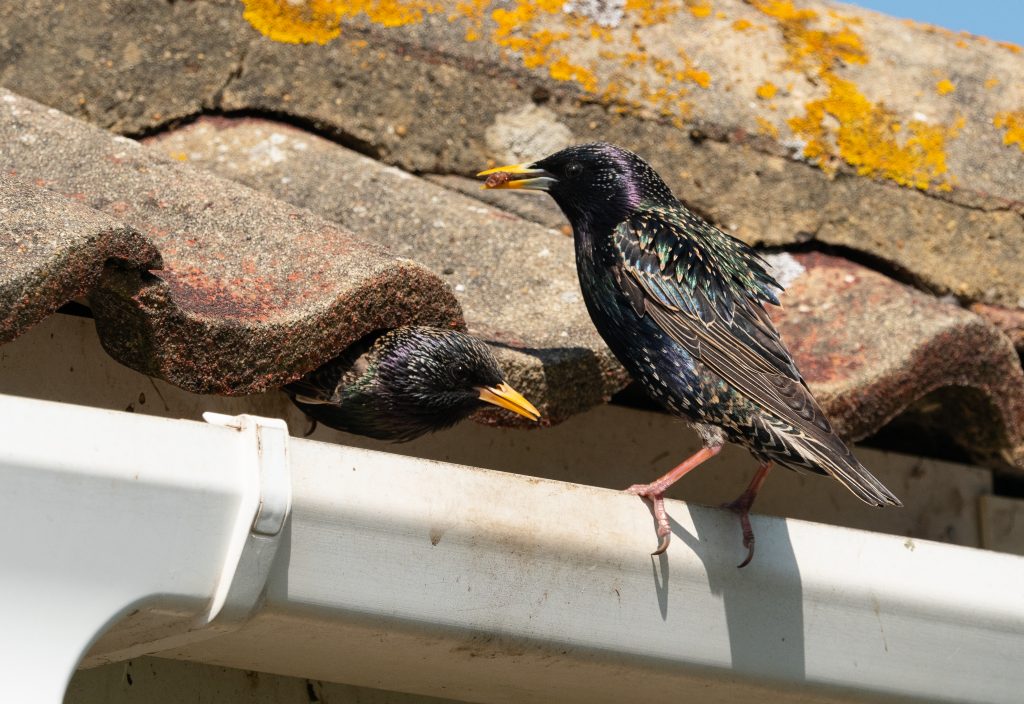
105,512
469,584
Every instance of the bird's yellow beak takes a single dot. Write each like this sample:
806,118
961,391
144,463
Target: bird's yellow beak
504,177
505,396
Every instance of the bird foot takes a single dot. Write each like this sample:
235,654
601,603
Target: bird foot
654,493
741,507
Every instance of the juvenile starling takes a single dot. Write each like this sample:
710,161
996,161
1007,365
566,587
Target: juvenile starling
681,305
403,383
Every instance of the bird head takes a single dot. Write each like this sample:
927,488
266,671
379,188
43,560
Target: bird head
594,184
439,377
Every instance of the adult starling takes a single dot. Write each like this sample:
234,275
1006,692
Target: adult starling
400,384
681,305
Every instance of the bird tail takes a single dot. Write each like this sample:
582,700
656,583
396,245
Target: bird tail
835,458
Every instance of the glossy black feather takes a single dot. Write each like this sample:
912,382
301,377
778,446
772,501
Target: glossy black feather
400,384
681,304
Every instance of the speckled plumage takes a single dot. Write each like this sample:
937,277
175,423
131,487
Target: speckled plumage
399,384
681,304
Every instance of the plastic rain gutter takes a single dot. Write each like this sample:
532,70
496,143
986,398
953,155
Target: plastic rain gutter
436,579
105,512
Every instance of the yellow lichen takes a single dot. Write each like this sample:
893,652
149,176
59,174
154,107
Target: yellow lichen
742,25
538,46
474,12
700,77
312,22
872,139
845,124
767,128
991,83
1013,123
562,69
652,11
808,46
689,73
699,8
319,21
628,77
945,87
767,90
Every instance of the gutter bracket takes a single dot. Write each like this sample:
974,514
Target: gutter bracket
242,585
262,458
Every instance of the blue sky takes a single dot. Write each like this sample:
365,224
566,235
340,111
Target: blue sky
996,19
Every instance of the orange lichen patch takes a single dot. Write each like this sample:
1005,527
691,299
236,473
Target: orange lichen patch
538,47
391,13
561,69
308,23
1013,123
945,87
872,139
1012,48
690,72
699,8
652,11
767,90
807,45
845,124
570,42
700,77
991,83
742,25
319,21
474,12
767,128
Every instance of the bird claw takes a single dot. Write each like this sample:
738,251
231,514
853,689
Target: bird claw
649,492
749,545
741,508
666,538
312,428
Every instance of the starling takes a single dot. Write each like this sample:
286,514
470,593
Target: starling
681,305
400,384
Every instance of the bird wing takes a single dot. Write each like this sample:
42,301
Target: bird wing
325,384
707,291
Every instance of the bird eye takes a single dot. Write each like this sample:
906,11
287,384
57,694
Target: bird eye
573,169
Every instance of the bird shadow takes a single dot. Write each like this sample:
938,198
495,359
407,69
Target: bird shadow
763,602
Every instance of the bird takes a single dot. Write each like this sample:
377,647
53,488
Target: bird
682,306
402,383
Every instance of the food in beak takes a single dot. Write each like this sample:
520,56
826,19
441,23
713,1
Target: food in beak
499,178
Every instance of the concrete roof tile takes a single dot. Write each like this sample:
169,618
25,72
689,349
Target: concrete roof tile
804,139
253,292
515,280
54,249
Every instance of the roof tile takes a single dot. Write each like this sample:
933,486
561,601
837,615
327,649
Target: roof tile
253,292
53,249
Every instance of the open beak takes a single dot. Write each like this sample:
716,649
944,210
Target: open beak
505,396
524,176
